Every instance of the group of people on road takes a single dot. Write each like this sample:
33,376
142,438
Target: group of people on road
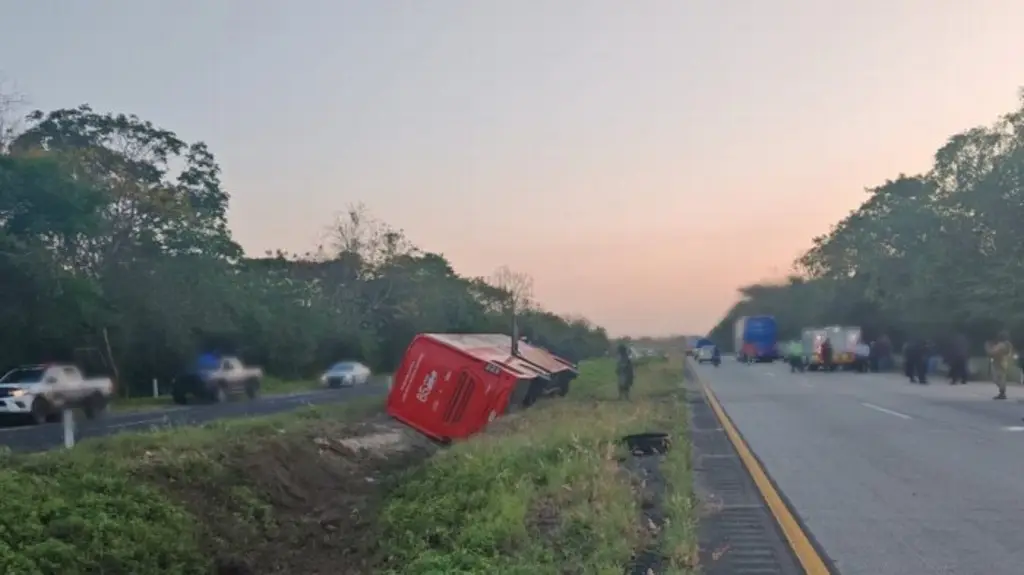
797,360
920,353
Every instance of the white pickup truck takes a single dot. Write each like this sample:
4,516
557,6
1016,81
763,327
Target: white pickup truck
42,391
229,377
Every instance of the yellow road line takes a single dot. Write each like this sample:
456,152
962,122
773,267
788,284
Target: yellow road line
799,542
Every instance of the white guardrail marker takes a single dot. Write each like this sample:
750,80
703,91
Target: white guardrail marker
68,418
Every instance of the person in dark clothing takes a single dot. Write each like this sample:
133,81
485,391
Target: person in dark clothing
915,361
826,354
959,353
884,353
923,361
624,369
911,358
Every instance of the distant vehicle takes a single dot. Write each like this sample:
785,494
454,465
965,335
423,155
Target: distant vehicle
706,354
451,385
42,391
756,338
844,346
346,374
218,382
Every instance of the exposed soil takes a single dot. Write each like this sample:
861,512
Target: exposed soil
303,502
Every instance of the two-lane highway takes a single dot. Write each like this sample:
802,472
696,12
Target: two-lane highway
891,478
43,437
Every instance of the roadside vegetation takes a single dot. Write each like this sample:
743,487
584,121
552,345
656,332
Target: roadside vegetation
543,492
925,255
343,489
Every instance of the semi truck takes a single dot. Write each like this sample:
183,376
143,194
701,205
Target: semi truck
756,338
844,341
844,346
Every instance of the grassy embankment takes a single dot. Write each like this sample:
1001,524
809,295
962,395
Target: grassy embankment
540,492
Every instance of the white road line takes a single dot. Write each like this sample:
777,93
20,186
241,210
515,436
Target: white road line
1013,428
884,410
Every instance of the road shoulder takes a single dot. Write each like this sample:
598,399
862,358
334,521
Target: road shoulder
744,521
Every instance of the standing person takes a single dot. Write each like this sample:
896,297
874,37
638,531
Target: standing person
884,352
924,361
959,353
873,350
795,356
826,354
911,358
1001,353
624,369
749,353
864,357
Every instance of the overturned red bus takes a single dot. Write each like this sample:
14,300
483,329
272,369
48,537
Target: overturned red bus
450,386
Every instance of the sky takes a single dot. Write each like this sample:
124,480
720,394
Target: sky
640,160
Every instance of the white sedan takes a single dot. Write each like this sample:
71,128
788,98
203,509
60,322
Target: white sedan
345,374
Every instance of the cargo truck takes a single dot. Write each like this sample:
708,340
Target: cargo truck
756,338
844,341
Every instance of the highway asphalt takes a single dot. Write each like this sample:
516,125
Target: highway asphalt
891,478
49,436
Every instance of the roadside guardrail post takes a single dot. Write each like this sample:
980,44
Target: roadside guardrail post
156,388
68,418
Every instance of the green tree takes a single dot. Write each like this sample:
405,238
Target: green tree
929,254
114,230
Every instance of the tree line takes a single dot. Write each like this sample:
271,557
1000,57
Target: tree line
926,255
114,245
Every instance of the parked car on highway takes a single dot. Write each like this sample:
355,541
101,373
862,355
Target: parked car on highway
217,382
346,374
40,392
706,354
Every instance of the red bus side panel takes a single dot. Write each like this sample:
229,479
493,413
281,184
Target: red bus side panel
442,392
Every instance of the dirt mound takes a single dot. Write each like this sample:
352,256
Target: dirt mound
302,501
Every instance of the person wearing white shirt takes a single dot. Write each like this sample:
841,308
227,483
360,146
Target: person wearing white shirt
863,352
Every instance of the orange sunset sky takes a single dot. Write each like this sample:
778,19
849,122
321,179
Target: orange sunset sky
640,160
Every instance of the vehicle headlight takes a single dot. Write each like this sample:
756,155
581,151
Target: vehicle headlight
18,392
